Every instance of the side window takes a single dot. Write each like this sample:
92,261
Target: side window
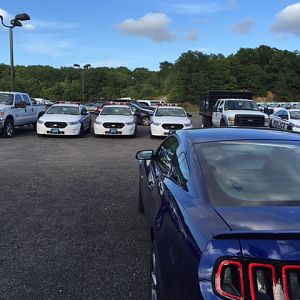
180,171
221,104
166,153
26,99
19,103
278,114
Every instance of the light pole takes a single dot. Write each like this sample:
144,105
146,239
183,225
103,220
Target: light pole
82,77
16,22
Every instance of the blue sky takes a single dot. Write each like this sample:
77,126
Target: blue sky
143,33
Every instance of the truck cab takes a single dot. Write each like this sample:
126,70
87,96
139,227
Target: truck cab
238,112
16,109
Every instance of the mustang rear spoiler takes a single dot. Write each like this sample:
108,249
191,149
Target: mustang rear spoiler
259,235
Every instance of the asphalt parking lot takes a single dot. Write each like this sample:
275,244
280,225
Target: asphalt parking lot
69,222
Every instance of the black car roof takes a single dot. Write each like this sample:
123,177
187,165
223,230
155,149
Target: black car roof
229,134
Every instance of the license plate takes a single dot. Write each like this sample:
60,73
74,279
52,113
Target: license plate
113,131
54,130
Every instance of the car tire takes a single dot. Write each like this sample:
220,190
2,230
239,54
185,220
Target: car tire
145,121
155,277
222,123
97,135
40,135
34,126
8,130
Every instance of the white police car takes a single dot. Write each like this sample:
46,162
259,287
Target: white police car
64,119
286,120
167,119
115,120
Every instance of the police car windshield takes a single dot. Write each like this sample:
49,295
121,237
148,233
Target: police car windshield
240,105
6,99
123,111
254,173
295,115
63,110
170,112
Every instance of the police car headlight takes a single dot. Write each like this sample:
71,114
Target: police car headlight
129,123
74,123
187,124
98,122
40,121
155,123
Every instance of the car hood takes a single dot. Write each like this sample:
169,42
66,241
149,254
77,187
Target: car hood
4,106
60,118
117,119
264,232
171,120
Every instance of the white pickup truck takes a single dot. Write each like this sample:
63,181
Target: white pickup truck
16,109
238,112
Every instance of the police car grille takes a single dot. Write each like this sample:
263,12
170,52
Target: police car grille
249,120
172,126
113,125
56,124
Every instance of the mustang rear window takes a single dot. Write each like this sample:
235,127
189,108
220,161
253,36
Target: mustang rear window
255,173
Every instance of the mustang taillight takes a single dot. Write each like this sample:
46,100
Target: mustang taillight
262,279
291,282
229,280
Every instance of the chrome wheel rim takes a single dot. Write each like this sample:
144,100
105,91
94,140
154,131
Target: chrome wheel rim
146,121
9,129
153,276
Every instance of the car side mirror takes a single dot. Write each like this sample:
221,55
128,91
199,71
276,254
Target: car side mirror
144,155
189,115
219,109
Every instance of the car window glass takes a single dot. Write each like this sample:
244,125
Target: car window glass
166,154
285,113
278,114
26,99
18,100
180,171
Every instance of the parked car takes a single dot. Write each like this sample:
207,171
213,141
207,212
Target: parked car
143,115
115,120
64,119
238,112
17,109
223,210
152,103
91,107
286,120
167,119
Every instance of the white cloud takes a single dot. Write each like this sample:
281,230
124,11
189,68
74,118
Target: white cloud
288,20
6,16
47,45
192,35
28,27
204,8
42,24
243,27
151,25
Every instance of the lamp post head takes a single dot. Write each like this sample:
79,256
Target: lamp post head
22,17
16,23
87,66
76,65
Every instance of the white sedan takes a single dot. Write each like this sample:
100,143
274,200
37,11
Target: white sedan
64,119
166,120
286,119
115,120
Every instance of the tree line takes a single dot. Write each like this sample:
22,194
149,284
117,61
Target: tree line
268,72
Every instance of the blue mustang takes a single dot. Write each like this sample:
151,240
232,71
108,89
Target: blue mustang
223,206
